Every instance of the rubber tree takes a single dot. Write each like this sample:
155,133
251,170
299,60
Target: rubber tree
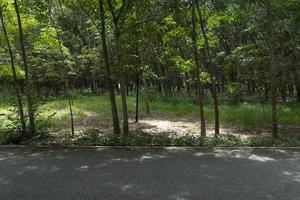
117,18
210,68
197,62
17,83
107,64
272,65
137,84
28,90
64,73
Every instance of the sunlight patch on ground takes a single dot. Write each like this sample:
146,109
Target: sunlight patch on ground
242,155
199,154
151,157
83,168
260,158
179,128
293,174
157,127
126,187
182,128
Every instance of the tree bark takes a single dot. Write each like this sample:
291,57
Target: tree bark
32,129
147,95
137,96
70,102
216,111
273,69
198,82
297,85
122,80
274,115
211,70
112,97
117,37
137,87
17,83
64,74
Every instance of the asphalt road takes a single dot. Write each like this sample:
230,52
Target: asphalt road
172,174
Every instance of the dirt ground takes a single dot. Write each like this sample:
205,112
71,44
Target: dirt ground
164,126
182,127
188,127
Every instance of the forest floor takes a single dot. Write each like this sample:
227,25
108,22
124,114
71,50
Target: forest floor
192,127
181,127
168,118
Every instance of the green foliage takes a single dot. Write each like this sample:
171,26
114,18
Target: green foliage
6,73
184,65
206,78
251,49
53,60
48,40
148,73
213,41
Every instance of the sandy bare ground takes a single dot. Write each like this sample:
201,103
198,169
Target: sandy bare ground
163,126
177,127
185,127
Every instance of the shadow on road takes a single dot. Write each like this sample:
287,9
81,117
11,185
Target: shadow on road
149,174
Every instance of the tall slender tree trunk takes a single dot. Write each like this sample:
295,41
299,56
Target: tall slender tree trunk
110,81
297,85
273,69
198,82
28,91
70,102
17,83
117,37
122,79
274,115
64,74
145,83
216,111
210,69
137,95
266,92
188,85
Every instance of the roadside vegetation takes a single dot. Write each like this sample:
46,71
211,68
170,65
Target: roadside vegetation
157,72
92,119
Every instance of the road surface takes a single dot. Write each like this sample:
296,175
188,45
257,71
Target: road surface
171,174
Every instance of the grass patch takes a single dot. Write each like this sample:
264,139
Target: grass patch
245,116
54,117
